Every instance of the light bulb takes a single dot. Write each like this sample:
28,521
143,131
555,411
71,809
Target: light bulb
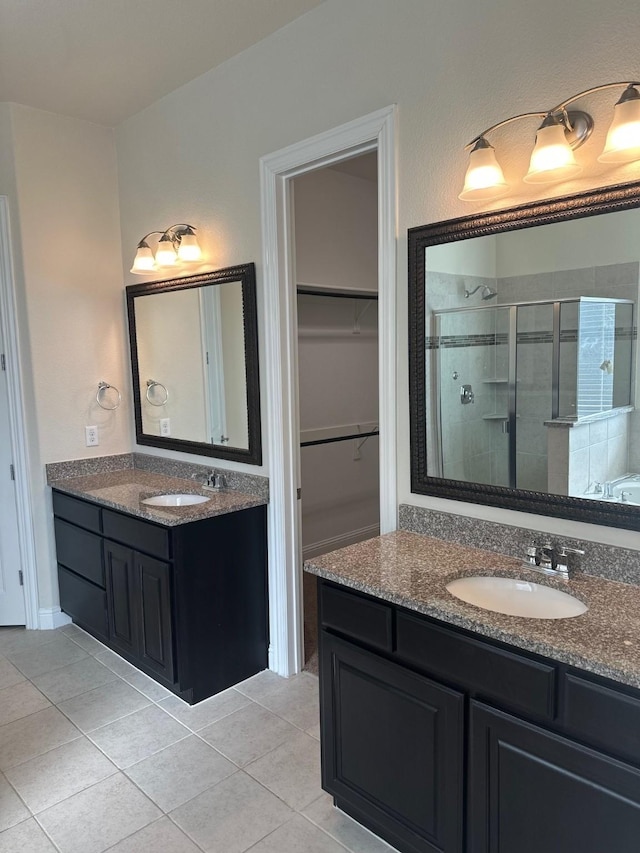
623,138
143,263
189,250
484,179
165,253
552,158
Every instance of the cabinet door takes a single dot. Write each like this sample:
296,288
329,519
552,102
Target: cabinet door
156,634
392,746
122,599
532,791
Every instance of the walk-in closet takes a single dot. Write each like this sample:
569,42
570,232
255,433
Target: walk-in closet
337,299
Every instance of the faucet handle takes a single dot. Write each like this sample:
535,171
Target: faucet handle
563,562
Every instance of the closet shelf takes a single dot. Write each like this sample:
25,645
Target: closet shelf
336,292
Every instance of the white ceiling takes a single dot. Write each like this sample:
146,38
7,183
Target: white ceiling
105,60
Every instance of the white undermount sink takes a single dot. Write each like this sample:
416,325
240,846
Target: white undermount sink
175,500
516,597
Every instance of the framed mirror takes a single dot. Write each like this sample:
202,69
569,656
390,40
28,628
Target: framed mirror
194,359
523,358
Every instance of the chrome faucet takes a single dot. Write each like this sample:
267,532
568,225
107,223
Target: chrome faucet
550,559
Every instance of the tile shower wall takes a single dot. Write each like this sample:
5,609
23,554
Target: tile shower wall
466,350
473,346
581,456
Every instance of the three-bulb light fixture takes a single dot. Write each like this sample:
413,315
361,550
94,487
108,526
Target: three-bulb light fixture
561,132
177,244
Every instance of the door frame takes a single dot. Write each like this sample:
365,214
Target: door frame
373,132
17,420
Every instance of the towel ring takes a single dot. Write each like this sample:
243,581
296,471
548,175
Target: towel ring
103,387
151,383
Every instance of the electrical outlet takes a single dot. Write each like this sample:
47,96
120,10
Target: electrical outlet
91,438
165,426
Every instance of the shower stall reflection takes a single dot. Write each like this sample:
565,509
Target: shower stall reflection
539,374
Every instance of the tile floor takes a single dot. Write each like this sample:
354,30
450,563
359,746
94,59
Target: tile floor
95,756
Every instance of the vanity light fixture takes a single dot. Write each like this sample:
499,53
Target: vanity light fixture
178,244
560,133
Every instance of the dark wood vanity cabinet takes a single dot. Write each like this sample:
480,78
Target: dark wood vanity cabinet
186,604
139,608
440,740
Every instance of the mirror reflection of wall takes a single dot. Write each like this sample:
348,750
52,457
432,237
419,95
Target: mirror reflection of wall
539,322
191,343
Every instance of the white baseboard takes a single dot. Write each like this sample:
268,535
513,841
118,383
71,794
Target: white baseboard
350,538
52,617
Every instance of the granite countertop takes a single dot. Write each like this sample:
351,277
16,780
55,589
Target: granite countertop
412,570
124,490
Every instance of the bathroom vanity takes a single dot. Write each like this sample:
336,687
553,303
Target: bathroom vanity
180,592
443,726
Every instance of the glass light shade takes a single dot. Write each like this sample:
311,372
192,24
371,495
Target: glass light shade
143,263
623,138
484,179
165,253
189,250
552,157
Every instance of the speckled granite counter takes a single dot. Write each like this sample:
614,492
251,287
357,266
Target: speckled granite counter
124,490
412,570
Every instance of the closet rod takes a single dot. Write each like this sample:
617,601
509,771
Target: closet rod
309,290
339,438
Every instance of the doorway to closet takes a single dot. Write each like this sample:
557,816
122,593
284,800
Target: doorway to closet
336,263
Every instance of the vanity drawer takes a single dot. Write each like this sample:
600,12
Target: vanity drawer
350,614
508,679
77,512
142,535
84,602
606,718
79,551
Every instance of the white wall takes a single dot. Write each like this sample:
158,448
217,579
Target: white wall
451,68
336,229
66,246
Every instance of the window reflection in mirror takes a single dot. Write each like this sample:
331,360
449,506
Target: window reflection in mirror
194,359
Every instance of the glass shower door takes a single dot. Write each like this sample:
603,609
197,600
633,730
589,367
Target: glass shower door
472,377
535,387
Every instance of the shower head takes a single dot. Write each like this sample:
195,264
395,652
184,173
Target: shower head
487,293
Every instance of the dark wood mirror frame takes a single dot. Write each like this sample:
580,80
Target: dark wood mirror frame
606,200
246,275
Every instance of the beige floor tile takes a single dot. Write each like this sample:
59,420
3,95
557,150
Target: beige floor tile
159,837
19,701
72,680
344,829
138,736
295,836
180,772
12,809
87,642
115,663
48,656
231,817
198,716
50,778
20,639
9,675
296,700
34,735
263,684
26,837
291,771
314,731
146,685
98,817
248,734
103,705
